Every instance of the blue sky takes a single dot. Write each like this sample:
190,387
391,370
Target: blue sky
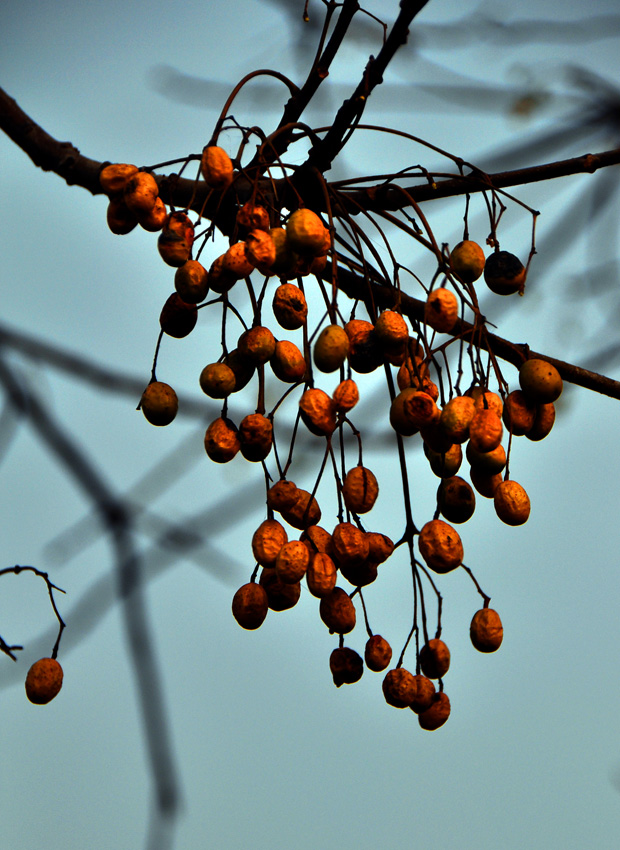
269,753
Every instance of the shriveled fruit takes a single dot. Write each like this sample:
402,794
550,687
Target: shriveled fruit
321,575
467,260
286,263
399,420
221,280
338,611
216,167
485,430
380,546
504,273
456,417
540,381
176,239
191,281
391,331
359,574
360,490
287,362
331,348
260,250
282,495
306,233
435,659
289,306
140,192
349,544
253,216
436,714
399,687
440,546
512,504
519,413
114,177
318,412
317,539
267,540
292,561
455,499
280,595
177,318
377,653
222,440
365,355
484,399
346,395
424,693
257,345
346,666
420,409
217,380
255,437
486,630
43,681
235,261
441,310
249,605
159,403
304,511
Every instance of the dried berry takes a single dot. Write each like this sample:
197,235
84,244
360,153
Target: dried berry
249,605
43,681
338,611
436,714
467,261
440,546
512,504
399,687
159,403
435,659
346,666
486,630
377,653
360,490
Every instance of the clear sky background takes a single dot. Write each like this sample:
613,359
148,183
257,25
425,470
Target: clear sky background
269,754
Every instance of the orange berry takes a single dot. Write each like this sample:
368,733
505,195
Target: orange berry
467,260
346,666
159,403
249,605
436,714
486,630
216,167
360,490
435,659
440,546
512,504
43,681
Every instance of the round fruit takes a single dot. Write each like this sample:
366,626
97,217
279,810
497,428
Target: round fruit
304,512
222,440
140,192
346,666
441,310
365,355
43,681
282,495
257,345
121,220
159,403
380,547
289,306
242,367
435,659
455,418
287,362
292,561
543,423
350,544
424,693
519,413
445,464
455,499
255,437
467,261
306,233
486,630
191,281
318,412
504,273
113,178
177,318
235,262
489,463
249,605
391,331
399,687
420,409
338,611
331,348
176,239
346,396
360,490
486,483
260,250
252,216
280,596
485,430
540,381
217,380
437,713
377,653
440,546
512,504
267,540
216,167
321,575
154,219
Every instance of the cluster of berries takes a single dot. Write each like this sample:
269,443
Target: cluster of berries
288,250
